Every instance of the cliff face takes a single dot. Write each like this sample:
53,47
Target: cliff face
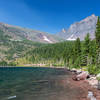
80,29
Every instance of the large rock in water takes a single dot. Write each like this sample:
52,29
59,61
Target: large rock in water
80,29
82,76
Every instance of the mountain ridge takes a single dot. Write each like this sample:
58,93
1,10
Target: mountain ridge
80,29
18,33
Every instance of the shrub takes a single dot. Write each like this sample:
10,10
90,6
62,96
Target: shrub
93,69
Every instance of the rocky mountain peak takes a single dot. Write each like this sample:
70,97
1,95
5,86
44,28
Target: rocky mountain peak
63,30
80,29
89,18
93,15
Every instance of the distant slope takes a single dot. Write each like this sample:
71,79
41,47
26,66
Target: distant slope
10,50
18,34
80,29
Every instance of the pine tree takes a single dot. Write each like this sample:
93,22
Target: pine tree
87,44
85,56
97,36
77,52
97,33
77,47
93,51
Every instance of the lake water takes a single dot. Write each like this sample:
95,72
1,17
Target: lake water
30,83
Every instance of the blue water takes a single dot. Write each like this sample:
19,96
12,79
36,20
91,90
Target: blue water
30,83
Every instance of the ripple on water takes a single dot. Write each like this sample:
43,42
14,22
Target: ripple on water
11,97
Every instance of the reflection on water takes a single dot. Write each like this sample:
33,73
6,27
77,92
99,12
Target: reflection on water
34,84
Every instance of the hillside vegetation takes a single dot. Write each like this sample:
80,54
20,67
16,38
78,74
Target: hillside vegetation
12,49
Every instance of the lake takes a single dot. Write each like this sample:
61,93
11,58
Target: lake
34,83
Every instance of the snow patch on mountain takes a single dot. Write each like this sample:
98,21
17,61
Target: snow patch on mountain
71,38
46,39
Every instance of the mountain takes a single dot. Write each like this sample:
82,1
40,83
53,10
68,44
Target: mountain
16,41
80,29
19,34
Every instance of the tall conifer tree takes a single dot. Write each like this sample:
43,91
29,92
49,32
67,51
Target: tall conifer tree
97,33
87,48
77,52
97,36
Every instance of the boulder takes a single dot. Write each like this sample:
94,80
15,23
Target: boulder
98,77
99,84
78,71
81,76
93,82
73,70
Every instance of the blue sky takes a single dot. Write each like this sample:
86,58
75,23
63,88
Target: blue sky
46,15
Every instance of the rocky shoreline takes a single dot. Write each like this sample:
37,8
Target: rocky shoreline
87,85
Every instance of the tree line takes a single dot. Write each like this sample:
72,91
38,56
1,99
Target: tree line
73,54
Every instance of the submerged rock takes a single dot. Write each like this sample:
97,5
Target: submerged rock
91,96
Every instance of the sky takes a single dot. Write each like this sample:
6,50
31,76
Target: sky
47,15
